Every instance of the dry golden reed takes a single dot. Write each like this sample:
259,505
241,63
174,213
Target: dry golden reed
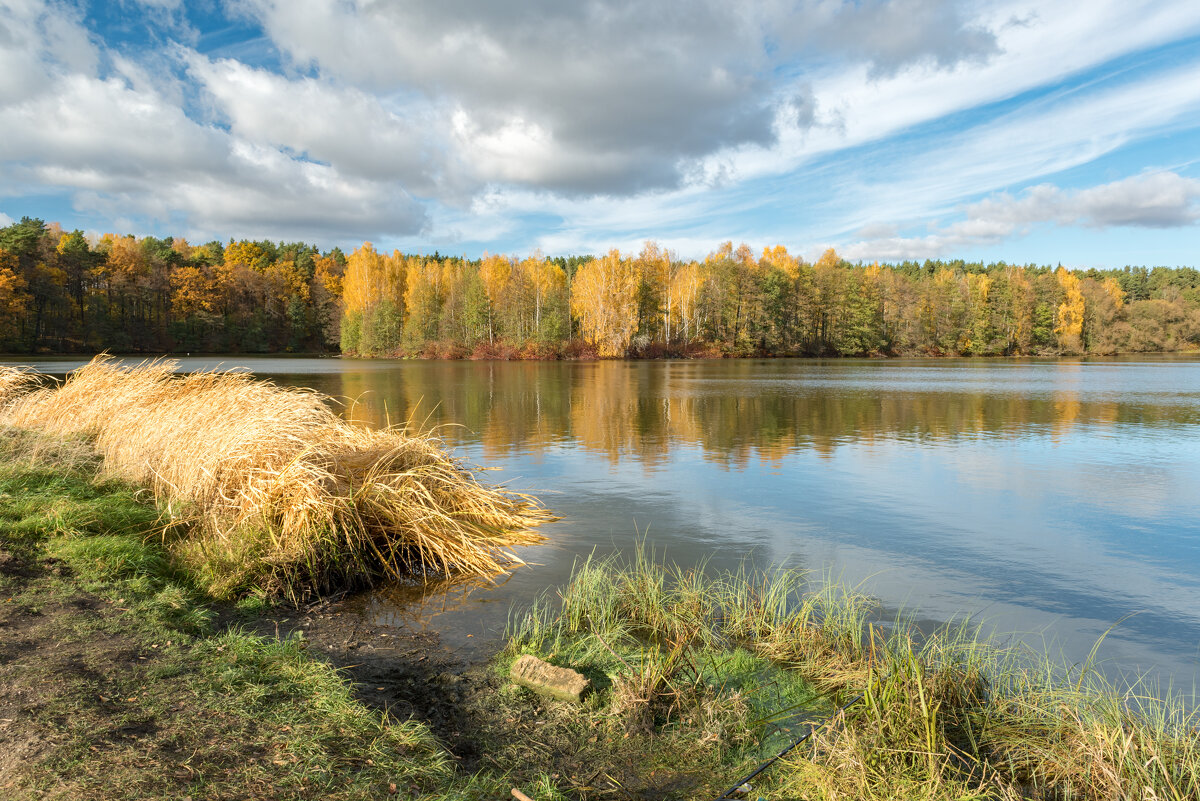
287,495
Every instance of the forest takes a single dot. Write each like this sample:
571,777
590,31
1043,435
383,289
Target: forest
67,292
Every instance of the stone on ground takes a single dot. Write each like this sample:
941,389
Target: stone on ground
541,677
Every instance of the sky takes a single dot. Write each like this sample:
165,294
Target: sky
1018,130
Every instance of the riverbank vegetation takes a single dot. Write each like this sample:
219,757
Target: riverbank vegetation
266,488
119,681
120,678
65,292
944,715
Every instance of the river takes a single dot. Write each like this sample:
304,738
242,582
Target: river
1049,501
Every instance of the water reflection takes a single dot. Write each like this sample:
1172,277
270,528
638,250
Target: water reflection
745,411
1051,499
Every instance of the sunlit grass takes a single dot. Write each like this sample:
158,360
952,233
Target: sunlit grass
278,491
945,715
138,692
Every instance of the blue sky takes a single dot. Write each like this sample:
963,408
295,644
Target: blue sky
889,129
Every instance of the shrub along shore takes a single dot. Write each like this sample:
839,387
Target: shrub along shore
120,680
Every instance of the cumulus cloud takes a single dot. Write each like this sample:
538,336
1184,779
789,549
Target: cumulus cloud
368,119
122,145
34,42
893,34
344,127
1155,200
607,97
593,98
1149,200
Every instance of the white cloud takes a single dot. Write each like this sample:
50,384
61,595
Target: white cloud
1157,200
609,97
125,148
929,174
1150,200
5,220
36,40
352,131
1057,41
462,119
893,34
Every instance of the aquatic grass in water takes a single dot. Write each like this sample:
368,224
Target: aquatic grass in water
280,492
945,715
671,655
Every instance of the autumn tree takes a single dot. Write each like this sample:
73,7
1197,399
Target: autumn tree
423,297
547,281
604,298
325,298
684,308
826,304
12,299
1103,330
778,271
1069,318
373,296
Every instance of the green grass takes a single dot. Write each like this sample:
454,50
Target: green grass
51,487
136,695
689,658
127,686
684,665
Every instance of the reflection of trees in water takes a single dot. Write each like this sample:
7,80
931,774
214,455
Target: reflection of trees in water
640,410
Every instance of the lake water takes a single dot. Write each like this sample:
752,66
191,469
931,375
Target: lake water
1048,500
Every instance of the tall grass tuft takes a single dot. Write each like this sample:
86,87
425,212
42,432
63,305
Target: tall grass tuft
282,494
14,382
943,715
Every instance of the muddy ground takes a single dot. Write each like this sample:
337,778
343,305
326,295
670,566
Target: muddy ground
403,673
68,659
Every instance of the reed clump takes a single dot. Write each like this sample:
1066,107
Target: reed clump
279,493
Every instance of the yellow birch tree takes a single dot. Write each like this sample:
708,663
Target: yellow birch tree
604,299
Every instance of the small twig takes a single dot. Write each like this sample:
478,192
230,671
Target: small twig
517,794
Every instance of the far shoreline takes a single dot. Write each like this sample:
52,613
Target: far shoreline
874,357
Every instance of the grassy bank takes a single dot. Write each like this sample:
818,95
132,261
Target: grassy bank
121,678
696,660
266,488
115,682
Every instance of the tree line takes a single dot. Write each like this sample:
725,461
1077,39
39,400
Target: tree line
66,292
63,292
737,303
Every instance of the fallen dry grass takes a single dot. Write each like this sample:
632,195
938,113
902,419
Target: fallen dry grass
280,492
